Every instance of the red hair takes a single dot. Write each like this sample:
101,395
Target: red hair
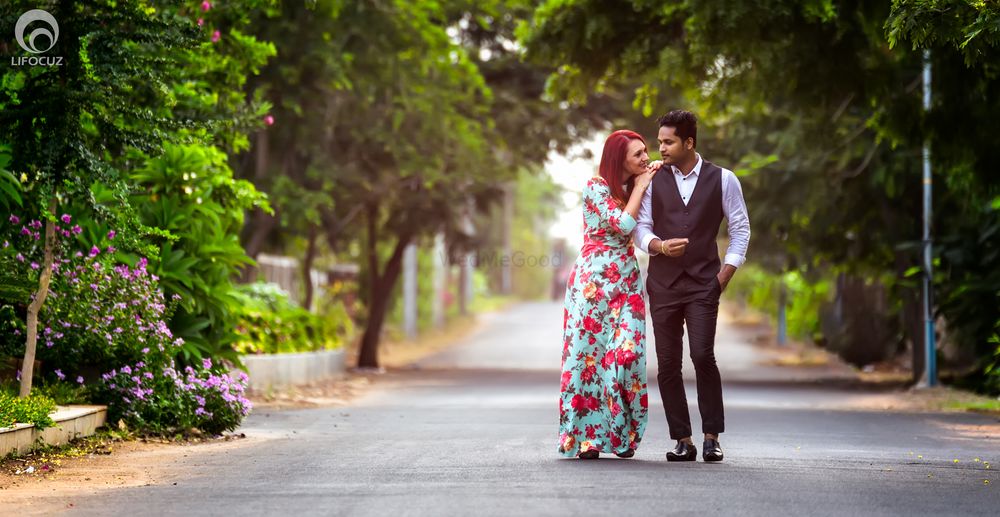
612,167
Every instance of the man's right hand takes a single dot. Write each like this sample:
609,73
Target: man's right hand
673,247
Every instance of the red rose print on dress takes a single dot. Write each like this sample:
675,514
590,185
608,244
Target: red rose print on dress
591,325
603,381
611,273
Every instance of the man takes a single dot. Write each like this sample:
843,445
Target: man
678,225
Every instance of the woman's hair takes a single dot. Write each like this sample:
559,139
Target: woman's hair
612,167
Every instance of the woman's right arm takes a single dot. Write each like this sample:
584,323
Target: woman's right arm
638,191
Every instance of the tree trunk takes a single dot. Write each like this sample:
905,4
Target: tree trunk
380,288
260,223
28,366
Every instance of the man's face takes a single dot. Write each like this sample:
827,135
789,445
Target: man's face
672,149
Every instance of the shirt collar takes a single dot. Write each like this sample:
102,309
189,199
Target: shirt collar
696,170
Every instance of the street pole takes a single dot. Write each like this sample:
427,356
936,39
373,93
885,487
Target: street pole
929,378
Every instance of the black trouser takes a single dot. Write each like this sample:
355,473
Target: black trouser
688,301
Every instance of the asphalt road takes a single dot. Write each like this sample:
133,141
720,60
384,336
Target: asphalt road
472,431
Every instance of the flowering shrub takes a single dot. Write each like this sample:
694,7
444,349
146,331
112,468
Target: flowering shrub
161,399
98,314
104,317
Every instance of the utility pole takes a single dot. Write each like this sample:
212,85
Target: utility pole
929,378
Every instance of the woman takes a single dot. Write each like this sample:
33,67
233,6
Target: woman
602,406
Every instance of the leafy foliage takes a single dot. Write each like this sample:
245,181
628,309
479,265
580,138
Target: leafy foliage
271,323
828,149
32,410
159,399
189,194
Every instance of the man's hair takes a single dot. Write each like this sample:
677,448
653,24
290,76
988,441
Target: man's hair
685,124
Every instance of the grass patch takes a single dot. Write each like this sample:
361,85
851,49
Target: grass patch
979,406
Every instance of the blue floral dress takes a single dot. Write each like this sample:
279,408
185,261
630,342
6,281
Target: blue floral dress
603,402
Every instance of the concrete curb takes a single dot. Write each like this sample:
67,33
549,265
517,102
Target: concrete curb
272,371
71,422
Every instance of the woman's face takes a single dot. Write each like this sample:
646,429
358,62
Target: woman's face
636,158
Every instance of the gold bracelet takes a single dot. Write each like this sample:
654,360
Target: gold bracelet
662,251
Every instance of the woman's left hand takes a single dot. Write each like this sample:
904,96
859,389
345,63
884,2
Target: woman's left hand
654,166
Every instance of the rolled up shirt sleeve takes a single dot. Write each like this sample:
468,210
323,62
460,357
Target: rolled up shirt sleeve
735,209
644,229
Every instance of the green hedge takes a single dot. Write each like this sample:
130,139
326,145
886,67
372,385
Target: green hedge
270,323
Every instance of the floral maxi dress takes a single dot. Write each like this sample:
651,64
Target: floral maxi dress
603,402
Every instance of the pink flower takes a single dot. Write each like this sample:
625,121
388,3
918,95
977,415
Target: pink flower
566,377
14,219
66,219
206,5
77,230
626,357
638,305
94,251
201,21
609,359
611,273
269,120
216,36
591,325
111,235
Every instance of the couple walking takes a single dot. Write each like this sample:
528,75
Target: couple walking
672,210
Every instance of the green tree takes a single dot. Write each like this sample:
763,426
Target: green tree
131,77
965,158
822,119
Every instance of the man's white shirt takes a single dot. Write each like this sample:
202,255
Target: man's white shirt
733,207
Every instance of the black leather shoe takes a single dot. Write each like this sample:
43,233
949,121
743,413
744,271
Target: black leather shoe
711,450
683,452
592,454
627,454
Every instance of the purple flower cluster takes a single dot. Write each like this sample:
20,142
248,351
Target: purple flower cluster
97,310
131,306
203,399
